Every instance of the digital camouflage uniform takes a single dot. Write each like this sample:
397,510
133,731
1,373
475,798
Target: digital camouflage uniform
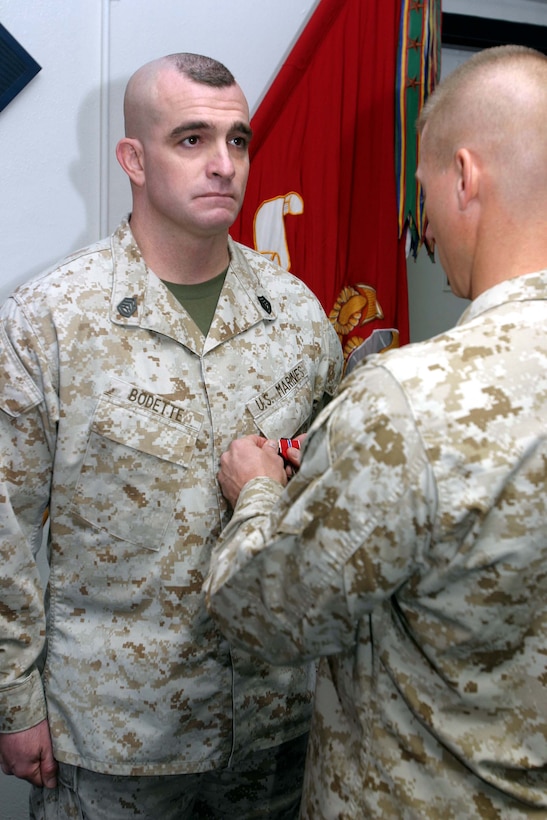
114,413
410,551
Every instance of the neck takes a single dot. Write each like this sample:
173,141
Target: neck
511,247
176,256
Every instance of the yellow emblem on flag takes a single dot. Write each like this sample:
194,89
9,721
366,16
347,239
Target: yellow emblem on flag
355,306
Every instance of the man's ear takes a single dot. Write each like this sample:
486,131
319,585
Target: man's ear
468,177
130,155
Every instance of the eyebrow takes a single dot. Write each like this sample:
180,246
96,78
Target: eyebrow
200,125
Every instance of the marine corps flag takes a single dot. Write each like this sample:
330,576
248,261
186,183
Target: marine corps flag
322,195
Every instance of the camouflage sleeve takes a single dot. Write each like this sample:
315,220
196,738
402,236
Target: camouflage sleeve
294,571
333,362
26,447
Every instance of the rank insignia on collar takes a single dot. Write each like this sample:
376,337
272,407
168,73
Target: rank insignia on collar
265,304
127,307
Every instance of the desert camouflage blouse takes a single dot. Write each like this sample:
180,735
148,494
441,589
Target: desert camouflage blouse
114,413
410,552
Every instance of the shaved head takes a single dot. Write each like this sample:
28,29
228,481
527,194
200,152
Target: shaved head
494,104
186,154
141,95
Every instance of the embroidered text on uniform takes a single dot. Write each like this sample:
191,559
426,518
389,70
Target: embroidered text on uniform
154,403
281,388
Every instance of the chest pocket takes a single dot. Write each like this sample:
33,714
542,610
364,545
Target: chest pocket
138,449
285,408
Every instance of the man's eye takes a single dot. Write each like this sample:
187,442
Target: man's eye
239,142
191,140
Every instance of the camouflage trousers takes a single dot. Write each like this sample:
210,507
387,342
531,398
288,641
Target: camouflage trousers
268,788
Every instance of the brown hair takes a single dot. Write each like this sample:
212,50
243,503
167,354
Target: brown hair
202,69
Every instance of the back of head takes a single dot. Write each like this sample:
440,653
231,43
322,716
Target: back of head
494,104
140,93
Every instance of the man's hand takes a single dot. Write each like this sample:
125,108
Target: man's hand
248,458
29,755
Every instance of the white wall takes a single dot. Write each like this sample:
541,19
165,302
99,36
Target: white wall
59,183
48,174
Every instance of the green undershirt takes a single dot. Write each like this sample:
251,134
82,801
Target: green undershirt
199,300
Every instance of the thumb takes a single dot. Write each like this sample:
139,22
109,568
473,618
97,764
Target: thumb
48,768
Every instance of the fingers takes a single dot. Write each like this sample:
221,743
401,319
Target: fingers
245,459
252,456
269,442
291,455
294,456
289,449
48,770
29,755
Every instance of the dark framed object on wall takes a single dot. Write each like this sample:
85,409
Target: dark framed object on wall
17,67
475,33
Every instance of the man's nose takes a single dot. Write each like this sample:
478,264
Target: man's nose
221,163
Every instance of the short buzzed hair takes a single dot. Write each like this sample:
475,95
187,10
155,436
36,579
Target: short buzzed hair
470,100
202,69
496,103
441,99
139,105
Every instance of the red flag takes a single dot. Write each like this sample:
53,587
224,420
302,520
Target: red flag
322,197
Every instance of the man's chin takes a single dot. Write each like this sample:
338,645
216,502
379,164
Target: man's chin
214,227
220,220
